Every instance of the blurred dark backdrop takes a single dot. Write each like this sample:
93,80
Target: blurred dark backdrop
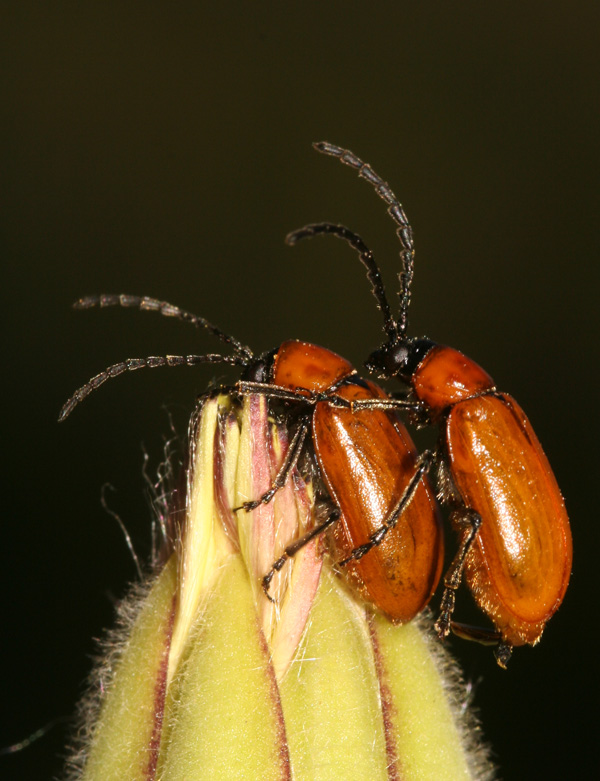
164,149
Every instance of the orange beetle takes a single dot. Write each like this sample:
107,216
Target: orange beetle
384,504
515,540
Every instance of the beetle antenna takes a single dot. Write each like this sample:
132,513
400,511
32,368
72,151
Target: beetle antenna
366,257
396,212
152,362
146,304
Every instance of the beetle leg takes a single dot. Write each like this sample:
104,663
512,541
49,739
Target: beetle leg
385,404
423,466
300,394
294,547
468,522
276,392
289,462
502,650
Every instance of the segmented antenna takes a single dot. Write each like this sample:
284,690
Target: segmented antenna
366,256
147,304
396,212
152,362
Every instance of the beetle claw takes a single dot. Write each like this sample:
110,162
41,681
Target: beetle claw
502,654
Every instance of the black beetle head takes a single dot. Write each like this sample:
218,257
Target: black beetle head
398,358
261,369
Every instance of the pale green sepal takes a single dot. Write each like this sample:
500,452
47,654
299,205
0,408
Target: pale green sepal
330,695
225,715
424,731
121,743
204,544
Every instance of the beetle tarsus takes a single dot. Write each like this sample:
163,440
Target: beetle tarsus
443,624
266,581
502,653
294,547
289,462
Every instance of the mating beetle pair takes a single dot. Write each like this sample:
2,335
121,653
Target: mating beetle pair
515,547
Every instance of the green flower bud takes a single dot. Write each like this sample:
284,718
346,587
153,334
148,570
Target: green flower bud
212,680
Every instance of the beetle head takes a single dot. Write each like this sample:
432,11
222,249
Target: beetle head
399,358
261,369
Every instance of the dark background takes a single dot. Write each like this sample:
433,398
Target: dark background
164,149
